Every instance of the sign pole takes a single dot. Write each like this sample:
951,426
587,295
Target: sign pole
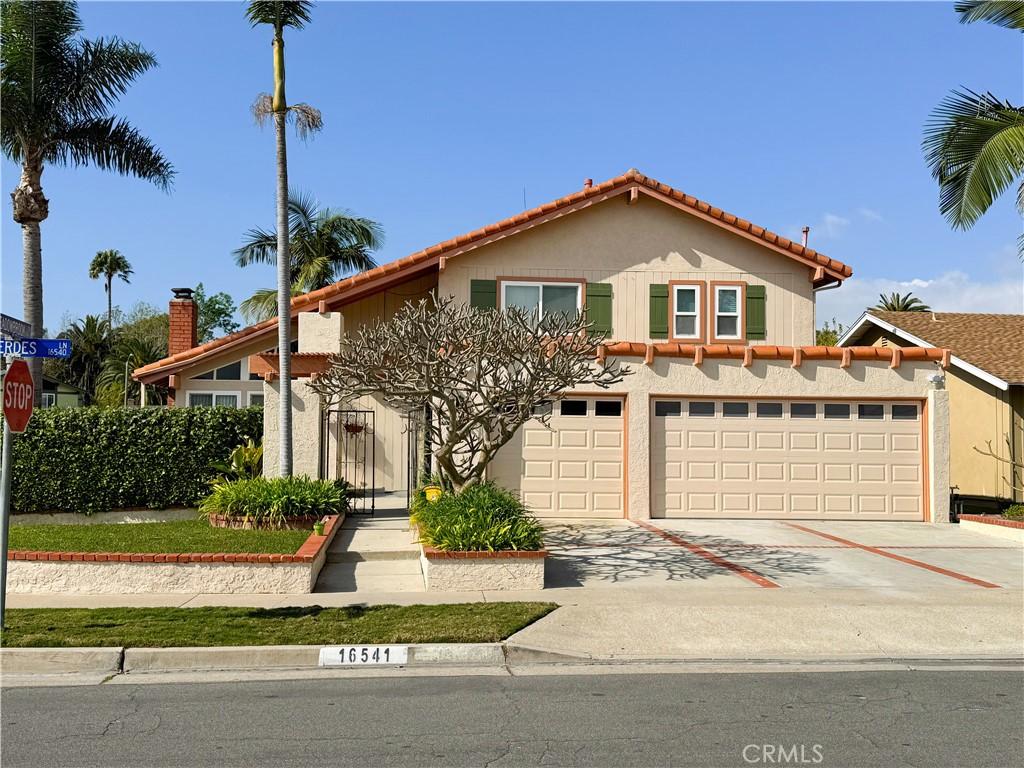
5,505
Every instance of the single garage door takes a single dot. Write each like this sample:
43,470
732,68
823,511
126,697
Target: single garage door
571,468
787,459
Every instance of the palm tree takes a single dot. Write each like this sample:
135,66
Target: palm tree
127,354
324,246
56,90
280,14
110,264
91,342
974,142
897,303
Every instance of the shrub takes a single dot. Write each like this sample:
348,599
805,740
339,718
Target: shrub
480,518
1014,512
96,459
245,462
269,501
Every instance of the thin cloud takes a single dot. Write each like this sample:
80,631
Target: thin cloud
952,291
870,214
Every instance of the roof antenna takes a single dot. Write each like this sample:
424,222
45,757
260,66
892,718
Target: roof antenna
806,231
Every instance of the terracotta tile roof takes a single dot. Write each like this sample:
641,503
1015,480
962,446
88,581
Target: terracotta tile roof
994,343
432,255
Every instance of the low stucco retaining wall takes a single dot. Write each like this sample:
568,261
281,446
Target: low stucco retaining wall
123,573
470,571
994,526
105,518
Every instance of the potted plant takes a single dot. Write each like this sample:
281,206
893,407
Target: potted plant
318,528
353,428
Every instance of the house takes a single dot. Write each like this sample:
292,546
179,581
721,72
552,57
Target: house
732,412
986,389
57,394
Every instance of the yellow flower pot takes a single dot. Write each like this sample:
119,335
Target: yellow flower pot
432,492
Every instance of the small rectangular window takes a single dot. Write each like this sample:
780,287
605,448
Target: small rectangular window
736,409
574,407
769,410
200,400
226,401
870,411
49,399
700,408
803,411
728,312
255,399
904,412
230,372
686,312
608,408
837,411
667,408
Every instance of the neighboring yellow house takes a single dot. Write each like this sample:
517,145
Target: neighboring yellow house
986,389
732,412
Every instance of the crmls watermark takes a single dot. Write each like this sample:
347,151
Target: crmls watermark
783,754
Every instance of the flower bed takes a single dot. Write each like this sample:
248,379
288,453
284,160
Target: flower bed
237,522
480,539
38,571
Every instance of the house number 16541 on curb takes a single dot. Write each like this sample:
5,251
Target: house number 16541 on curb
359,655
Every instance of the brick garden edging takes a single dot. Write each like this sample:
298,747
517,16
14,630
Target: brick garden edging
220,572
994,526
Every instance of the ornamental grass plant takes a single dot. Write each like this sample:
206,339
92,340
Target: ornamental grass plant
480,518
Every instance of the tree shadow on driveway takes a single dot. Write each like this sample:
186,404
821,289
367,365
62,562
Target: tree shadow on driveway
581,555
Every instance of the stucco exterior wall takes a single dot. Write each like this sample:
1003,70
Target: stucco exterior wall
633,246
306,424
777,379
490,573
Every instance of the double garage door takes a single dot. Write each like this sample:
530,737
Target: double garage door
787,459
727,458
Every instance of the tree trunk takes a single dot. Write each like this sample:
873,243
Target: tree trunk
110,304
29,209
284,293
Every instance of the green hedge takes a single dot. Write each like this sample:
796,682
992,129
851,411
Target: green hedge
97,459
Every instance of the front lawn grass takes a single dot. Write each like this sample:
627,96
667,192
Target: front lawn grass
168,627
179,536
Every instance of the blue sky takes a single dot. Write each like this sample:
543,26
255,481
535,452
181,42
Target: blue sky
439,115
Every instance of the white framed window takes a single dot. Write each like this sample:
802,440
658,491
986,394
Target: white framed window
49,399
211,399
686,311
542,298
256,398
728,315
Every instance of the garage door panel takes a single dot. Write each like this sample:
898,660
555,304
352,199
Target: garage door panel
845,461
571,468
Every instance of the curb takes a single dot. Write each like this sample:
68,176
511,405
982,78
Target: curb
61,661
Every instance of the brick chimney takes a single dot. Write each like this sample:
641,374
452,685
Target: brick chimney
182,313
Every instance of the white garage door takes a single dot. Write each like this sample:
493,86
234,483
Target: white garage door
571,468
787,459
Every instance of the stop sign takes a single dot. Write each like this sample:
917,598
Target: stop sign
18,392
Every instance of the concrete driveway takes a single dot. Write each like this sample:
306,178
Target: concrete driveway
770,554
752,589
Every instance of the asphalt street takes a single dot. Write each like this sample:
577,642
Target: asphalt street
920,718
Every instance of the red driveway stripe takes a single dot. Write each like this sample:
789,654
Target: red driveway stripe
900,558
721,562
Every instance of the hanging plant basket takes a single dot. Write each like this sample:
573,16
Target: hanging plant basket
352,428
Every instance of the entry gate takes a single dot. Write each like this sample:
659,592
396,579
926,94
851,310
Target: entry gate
349,454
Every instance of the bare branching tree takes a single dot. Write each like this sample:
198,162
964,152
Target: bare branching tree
1013,470
472,376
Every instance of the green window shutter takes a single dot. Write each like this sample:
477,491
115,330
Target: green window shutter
757,315
483,294
659,311
599,306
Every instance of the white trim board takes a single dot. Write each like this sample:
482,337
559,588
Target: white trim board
867,317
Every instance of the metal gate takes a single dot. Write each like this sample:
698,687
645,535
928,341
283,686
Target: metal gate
349,454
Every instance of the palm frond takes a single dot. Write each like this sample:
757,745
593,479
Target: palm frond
279,13
263,109
260,247
307,120
1005,13
102,73
262,305
110,143
974,146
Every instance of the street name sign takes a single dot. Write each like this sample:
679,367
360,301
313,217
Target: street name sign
35,347
18,394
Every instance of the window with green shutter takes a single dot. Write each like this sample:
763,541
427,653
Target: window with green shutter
483,294
659,311
757,314
599,306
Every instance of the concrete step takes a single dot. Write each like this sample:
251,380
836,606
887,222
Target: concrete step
378,576
373,555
